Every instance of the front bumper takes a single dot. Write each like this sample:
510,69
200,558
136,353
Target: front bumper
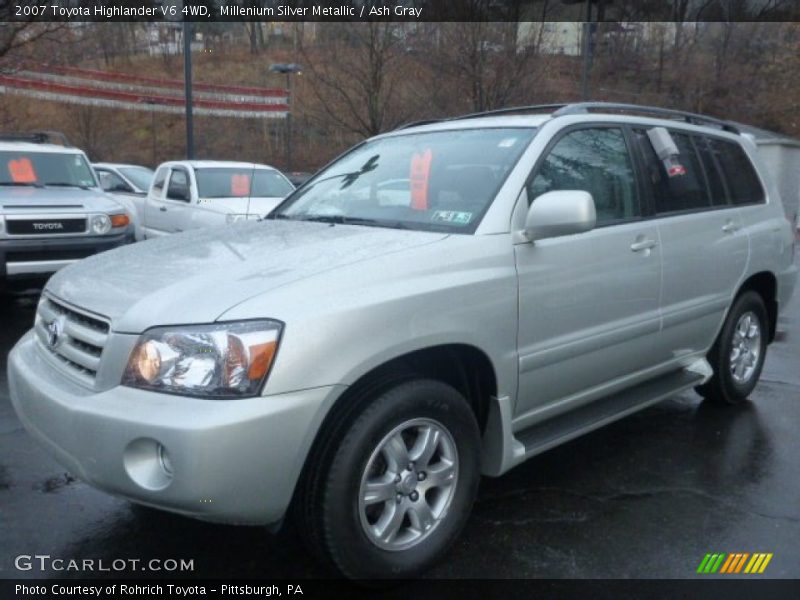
232,461
26,257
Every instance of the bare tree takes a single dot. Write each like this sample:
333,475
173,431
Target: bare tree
487,64
16,34
356,79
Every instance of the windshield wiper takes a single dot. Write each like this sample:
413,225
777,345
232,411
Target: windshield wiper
66,184
344,220
22,183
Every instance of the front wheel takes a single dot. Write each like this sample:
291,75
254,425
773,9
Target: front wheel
400,484
737,356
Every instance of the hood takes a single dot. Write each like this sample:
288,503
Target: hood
239,205
194,277
33,199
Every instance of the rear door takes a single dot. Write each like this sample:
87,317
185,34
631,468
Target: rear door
704,248
588,303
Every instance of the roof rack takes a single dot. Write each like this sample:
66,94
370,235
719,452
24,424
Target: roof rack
513,109
417,123
689,117
576,108
37,137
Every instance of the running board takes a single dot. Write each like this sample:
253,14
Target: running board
569,425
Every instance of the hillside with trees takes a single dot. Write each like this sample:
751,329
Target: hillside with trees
360,79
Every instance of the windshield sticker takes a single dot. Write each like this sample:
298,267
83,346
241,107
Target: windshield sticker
22,171
507,143
418,179
240,185
455,217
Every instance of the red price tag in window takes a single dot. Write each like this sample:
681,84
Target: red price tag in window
419,179
22,171
240,185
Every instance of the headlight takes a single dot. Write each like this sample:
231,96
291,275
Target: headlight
101,224
223,360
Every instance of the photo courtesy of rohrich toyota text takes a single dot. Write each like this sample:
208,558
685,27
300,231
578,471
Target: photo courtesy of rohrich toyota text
399,298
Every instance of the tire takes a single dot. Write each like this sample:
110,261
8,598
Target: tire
361,490
733,349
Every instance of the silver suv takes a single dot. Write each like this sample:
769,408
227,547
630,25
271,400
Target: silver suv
52,211
444,301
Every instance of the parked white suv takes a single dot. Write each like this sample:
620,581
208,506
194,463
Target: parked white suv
196,194
364,360
52,211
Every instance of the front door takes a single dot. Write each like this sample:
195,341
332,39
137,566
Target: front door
588,303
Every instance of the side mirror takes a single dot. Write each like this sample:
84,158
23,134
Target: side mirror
562,212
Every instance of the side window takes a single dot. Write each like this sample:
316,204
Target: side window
178,186
742,180
596,161
682,186
159,179
716,185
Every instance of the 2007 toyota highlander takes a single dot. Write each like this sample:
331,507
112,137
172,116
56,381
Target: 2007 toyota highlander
444,301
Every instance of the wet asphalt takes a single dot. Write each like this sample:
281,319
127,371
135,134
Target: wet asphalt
646,497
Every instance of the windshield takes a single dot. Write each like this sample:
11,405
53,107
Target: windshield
442,180
45,168
140,176
227,182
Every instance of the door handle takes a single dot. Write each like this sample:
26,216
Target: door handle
730,227
644,244
162,208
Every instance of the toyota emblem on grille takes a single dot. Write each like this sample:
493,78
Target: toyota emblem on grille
55,332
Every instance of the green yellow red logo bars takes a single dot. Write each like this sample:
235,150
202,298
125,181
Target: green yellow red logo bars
737,562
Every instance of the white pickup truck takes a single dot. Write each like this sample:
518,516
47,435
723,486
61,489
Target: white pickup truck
196,194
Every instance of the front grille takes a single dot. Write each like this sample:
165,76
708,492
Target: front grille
45,226
77,340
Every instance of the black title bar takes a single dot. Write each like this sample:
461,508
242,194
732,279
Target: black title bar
395,10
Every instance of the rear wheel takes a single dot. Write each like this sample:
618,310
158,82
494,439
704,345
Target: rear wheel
737,356
399,486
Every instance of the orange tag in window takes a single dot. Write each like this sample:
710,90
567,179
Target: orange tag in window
240,185
22,171
418,179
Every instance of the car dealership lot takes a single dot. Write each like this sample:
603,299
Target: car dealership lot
646,497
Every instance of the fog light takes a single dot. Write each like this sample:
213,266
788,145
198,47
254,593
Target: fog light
163,459
147,464
101,224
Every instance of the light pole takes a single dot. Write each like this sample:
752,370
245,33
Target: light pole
152,104
288,69
587,51
187,87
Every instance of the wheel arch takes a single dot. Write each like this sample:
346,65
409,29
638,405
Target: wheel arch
463,366
765,284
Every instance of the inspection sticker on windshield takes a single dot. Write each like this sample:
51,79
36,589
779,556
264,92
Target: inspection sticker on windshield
452,216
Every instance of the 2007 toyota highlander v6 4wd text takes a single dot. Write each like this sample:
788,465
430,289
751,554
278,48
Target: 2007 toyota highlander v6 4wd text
444,301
